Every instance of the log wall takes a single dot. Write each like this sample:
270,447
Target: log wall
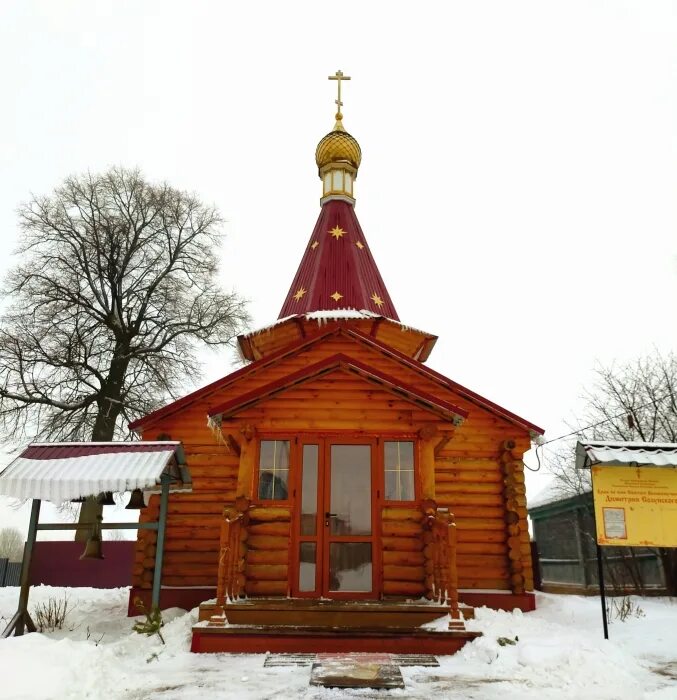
402,544
470,476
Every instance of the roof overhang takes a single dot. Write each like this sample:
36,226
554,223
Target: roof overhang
62,471
441,408
364,338
640,454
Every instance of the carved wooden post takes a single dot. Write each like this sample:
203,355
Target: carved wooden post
224,544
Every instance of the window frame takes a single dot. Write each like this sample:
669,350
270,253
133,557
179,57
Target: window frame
291,471
416,472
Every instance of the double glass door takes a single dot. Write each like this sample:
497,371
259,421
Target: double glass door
335,538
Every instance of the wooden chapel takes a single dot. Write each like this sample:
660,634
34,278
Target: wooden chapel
337,479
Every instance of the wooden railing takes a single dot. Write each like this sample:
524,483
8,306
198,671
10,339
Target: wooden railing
441,555
231,578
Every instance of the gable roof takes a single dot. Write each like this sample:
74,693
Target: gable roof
343,362
329,330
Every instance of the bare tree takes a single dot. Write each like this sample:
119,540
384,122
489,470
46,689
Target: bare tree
11,544
636,401
115,289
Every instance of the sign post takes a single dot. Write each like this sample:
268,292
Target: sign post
635,506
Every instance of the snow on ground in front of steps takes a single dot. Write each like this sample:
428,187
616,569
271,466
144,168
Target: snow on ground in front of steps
560,653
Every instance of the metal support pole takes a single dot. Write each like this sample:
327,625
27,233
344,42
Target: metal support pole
22,618
600,564
602,593
160,545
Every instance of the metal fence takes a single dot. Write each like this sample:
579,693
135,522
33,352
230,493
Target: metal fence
10,572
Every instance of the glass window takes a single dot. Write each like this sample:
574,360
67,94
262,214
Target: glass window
337,182
309,490
274,470
307,566
399,471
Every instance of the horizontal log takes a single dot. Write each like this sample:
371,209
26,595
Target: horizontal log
268,542
468,487
266,572
188,581
498,572
219,485
477,511
187,558
169,569
195,508
181,533
262,556
403,558
495,561
400,529
398,514
480,548
266,588
454,500
479,524
472,535
403,573
462,475
272,528
269,514
407,588
195,521
500,584
404,544
192,545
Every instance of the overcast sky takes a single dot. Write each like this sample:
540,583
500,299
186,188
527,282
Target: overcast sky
519,168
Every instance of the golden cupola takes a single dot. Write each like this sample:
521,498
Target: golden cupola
338,156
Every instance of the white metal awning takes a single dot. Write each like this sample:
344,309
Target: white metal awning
59,472
655,454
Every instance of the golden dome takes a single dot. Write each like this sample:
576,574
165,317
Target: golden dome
338,146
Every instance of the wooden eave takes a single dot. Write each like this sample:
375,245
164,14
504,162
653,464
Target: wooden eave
443,409
446,382
258,344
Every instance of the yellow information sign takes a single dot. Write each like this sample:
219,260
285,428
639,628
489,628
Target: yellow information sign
635,506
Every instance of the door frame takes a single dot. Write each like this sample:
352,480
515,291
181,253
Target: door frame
322,538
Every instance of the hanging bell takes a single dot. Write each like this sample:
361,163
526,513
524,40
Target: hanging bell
106,499
93,547
136,500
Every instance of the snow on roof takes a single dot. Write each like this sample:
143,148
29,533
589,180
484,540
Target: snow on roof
657,454
59,472
552,493
324,317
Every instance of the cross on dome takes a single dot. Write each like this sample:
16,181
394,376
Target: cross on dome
338,76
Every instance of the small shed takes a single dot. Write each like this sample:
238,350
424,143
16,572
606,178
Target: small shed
59,472
564,532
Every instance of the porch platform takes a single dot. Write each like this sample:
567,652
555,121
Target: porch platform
317,626
243,639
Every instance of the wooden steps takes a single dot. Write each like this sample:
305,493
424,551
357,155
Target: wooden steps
243,639
329,613
318,626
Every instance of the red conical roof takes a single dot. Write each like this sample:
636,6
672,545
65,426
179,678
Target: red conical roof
337,270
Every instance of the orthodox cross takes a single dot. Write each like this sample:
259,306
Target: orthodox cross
339,77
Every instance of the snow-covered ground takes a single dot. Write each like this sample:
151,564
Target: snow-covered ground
559,653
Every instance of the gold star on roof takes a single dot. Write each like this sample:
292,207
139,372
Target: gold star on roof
377,299
337,232
336,296
359,245
299,294
314,244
